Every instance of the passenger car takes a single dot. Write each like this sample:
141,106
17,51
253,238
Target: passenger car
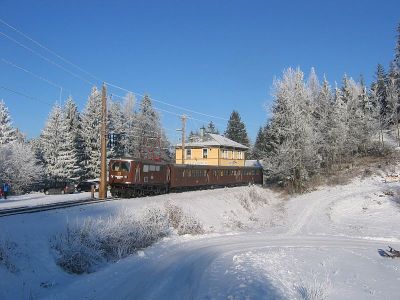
86,186
59,187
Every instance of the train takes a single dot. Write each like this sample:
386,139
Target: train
129,177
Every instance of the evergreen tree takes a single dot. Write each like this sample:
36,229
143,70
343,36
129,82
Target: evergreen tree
236,130
71,152
293,146
129,140
7,132
149,134
19,167
380,88
116,128
52,141
91,126
211,128
259,148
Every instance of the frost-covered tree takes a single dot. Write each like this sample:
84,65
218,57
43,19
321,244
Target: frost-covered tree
393,104
116,128
91,126
71,152
151,139
236,130
294,153
379,87
19,167
52,141
7,132
129,139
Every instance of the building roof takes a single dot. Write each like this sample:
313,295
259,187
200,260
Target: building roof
211,139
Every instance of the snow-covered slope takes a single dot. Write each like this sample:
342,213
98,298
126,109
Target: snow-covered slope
258,245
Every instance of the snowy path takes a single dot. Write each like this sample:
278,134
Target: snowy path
198,269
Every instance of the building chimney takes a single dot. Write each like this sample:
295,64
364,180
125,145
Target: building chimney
202,130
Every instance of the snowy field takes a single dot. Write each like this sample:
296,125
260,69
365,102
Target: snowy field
253,244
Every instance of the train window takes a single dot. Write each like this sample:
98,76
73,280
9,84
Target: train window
125,166
115,166
145,168
152,168
189,173
157,168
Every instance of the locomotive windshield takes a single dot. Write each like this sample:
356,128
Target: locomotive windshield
121,166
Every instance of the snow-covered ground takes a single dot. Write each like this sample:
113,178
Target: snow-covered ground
257,244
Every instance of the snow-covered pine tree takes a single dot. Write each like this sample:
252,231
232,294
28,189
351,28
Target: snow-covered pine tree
321,116
52,141
149,134
91,125
129,141
7,132
116,128
393,104
19,167
293,152
380,88
71,153
351,96
236,130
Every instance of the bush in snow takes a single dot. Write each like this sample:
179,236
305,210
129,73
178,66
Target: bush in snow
251,197
314,289
7,249
182,222
83,247
78,248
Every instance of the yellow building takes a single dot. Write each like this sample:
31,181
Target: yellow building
212,149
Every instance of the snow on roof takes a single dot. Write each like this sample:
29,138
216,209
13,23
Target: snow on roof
211,139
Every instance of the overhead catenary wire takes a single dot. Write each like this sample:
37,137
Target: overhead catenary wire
93,76
24,95
46,59
24,69
49,50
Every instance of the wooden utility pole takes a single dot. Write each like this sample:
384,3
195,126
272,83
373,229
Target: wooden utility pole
103,133
183,138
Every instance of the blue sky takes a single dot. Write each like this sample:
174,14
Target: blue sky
207,56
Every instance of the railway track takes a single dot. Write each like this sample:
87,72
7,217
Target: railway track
50,206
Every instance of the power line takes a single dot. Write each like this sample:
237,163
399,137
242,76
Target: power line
49,50
166,103
37,76
31,73
46,59
91,75
24,95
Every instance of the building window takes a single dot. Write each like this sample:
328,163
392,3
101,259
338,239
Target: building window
188,153
205,153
